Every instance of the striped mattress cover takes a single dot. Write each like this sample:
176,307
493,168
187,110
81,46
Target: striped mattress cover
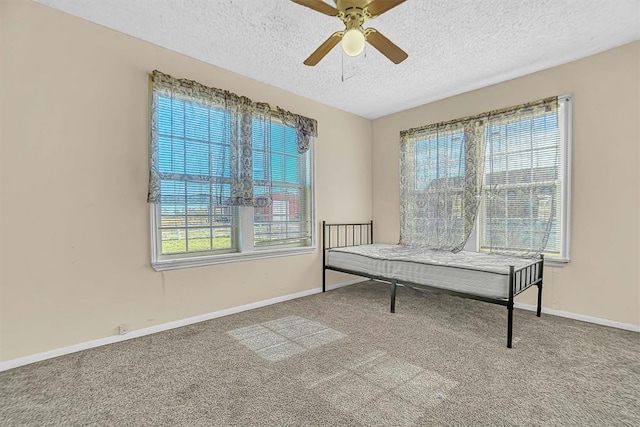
467,272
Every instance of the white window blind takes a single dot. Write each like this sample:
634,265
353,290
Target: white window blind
193,159
287,220
525,192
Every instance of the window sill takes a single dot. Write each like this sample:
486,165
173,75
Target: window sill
555,262
201,261
548,261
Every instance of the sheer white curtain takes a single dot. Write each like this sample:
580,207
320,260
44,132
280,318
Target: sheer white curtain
441,172
522,180
506,161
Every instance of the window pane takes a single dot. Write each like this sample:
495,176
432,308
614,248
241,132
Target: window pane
219,160
222,238
176,117
277,138
196,120
174,241
193,143
197,158
282,222
199,239
291,141
440,160
259,167
171,154
292,170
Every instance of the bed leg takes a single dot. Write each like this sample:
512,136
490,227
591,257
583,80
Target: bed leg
539,310
541,270
509,325
512,284
324,255
393,296
324,279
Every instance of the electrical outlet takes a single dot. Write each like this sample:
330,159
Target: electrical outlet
123,328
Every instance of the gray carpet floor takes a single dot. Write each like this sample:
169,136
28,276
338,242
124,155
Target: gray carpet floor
341,359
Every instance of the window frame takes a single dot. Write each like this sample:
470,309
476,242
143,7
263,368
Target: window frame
246,250
565,115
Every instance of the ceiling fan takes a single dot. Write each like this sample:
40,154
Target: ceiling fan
353,13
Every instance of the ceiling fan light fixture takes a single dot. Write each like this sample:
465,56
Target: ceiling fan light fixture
353,41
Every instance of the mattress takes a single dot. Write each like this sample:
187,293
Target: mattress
468,272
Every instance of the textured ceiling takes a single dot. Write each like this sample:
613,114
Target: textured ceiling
454,45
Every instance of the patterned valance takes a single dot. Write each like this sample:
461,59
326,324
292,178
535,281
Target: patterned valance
305,128
244,123
197,93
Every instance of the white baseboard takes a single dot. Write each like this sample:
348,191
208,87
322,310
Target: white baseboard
21,361
581,317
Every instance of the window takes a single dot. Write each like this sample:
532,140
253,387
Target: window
197,217
526,182
501,177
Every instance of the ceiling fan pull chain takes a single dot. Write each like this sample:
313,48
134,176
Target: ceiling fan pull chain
343,79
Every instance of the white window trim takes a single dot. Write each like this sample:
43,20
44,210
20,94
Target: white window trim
566,117
566,111
246,250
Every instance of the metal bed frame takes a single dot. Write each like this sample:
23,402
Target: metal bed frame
354,234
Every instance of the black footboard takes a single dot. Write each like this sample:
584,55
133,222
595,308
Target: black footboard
520,280
354,234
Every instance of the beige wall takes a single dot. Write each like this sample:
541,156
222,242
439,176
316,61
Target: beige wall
603,278
74,225
75,257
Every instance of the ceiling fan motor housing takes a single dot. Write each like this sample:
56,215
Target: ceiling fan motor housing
353,18
347,4
352,12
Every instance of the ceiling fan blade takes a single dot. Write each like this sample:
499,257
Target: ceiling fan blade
378,7
318,6
386,46
324,48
